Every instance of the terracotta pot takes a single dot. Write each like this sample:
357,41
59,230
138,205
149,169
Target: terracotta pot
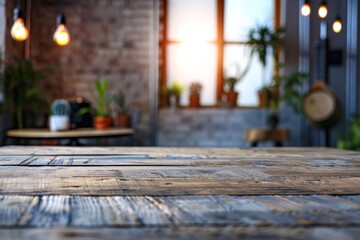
194,101
232,97
123,121
264,98
102,122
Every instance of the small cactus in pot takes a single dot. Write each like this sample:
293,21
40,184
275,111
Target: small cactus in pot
59,120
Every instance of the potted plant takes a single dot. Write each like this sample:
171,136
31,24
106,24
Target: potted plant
195,91
264,95
173,93
102,120
289,94
352,139
230,84
262,41
123,116
21,81
59,120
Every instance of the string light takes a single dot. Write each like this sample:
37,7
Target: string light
18,30
337,25
61,35
306,9
323,11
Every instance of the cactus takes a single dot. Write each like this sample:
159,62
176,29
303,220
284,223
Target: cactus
60,107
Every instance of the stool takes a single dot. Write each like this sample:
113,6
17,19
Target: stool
255,135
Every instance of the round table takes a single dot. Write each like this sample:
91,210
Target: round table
72,135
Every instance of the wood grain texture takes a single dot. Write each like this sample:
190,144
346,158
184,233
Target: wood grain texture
142,211
160,151
247,178
185,233
179,193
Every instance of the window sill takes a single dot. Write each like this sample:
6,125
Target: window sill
214,107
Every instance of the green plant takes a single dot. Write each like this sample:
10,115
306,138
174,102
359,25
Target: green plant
60,107
103,102
21,80
352,139
195,89
175,89
231,81
290,90
262,38
121,103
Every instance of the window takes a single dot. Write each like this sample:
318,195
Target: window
204,40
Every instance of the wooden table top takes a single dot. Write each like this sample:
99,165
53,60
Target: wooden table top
74,133
178,193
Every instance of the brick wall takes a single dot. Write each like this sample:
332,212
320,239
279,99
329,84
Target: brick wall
109,39
219,127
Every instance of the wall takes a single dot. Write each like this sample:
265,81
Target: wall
2,26
358,63
109,39
222,127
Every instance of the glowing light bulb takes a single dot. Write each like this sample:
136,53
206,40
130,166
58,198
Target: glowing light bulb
337,25
323,11
18,30
306,9
62,35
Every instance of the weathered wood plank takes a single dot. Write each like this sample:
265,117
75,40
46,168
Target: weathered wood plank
162,152
194,160
50,211
12,208
203,193
13,160
184,233
115,211
177,180
38,161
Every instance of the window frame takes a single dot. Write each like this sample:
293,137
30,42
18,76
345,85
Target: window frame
219,43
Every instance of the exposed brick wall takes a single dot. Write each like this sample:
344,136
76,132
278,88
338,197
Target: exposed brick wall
109,39
219,127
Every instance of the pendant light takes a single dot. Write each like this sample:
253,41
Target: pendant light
18,30
306,9
61,35
337,25
323,11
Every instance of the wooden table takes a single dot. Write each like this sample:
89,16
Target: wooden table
256,135
179,193
73,135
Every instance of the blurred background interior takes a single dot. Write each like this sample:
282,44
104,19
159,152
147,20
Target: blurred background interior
204,73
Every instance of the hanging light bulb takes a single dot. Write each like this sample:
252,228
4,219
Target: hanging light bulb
61,35
337,25
306,9
18,30
323,11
